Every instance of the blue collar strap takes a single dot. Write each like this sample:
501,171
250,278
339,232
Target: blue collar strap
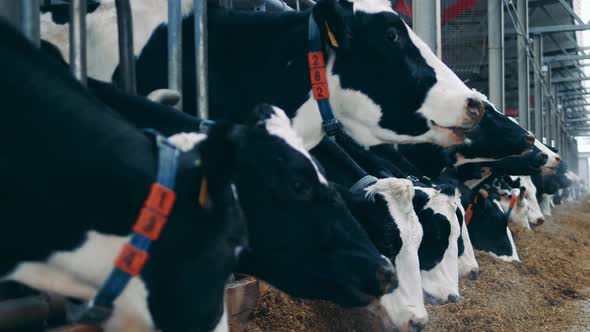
319,79
134,254
363,183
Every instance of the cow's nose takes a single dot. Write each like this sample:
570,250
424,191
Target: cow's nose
416,326
557,159
540,221
474,108
453,298
530,140
473,275
387,278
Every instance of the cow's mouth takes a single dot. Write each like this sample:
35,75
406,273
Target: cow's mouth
456,130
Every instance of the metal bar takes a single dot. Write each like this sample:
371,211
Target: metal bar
570,10
496,52
426,23
577,120
548,109
538,106
30,20
78,40
523,66
126,54
560,28
201,58
571,79
175,46
566,58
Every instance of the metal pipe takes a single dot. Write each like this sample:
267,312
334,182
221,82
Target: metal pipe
548,110
78,39
201,58
126,54
496,52
523,66
18,312
426,23
175,46
538,106
30,20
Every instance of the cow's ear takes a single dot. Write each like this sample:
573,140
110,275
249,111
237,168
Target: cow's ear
259,114
219,150
522,193
333,22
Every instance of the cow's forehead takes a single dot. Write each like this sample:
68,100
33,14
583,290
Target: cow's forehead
280,125
372,6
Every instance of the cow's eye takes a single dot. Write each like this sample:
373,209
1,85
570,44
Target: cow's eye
392,35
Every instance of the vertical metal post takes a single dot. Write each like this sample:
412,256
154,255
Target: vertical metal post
523,66
538,50
201,58
175,46
78,39
496,52
298,5
548,111
426,23
30,20
126,55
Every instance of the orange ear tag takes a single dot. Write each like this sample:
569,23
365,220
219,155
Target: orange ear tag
203,193
331,36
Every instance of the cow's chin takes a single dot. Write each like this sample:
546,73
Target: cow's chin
446,137
548,171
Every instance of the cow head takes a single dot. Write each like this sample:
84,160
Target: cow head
438,252
534,215
303,238
488,226
386,85
497,136
204,183
553,159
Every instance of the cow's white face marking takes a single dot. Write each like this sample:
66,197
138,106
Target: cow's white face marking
519,214
79,273
406,302
534,211
279,125
514,256
443,280
553,158
371,6
223,325
467,261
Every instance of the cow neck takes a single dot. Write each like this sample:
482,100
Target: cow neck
148,226
340,167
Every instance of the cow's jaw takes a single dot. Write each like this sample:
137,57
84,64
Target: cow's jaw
406,303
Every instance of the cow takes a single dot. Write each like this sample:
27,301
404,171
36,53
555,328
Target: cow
488,224
497,136
386,160
384,207
97,174
96,171
436,211
535,215
399,88
513,200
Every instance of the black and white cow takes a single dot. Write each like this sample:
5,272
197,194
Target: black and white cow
497,136
74,185
384,208
435,208
386,85
488,224
97,174
513,199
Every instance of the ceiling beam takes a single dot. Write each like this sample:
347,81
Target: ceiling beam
559,28
550,59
